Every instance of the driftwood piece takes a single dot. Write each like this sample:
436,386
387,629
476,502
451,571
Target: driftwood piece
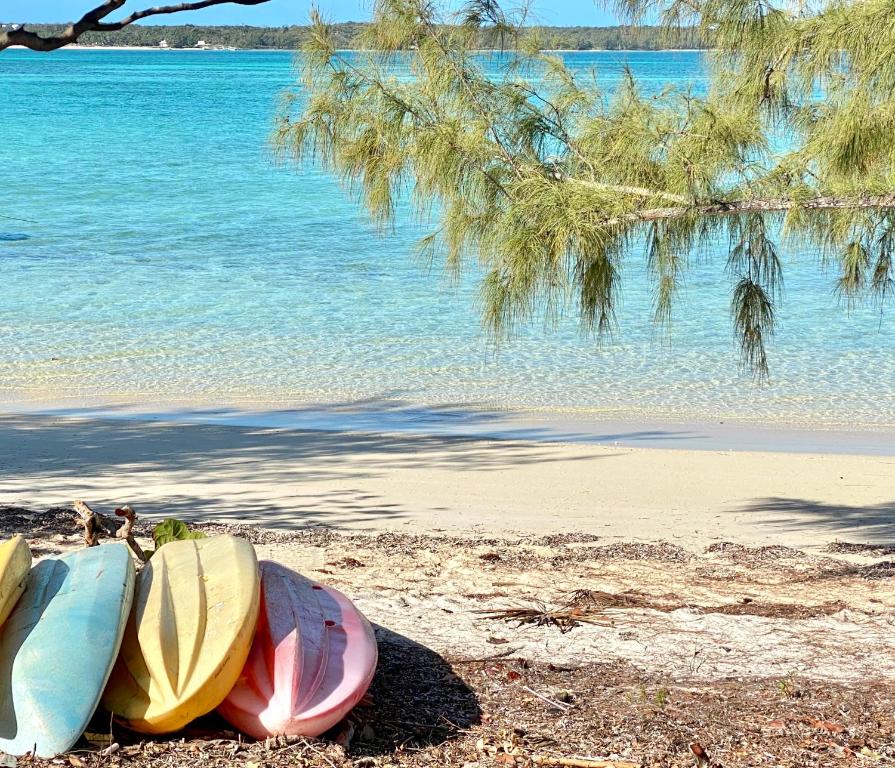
97,525
94,524
126,531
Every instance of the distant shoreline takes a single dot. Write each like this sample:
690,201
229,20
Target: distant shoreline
233,49
349,35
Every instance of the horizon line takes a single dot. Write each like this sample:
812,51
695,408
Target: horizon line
333,24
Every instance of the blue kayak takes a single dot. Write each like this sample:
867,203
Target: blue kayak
58,646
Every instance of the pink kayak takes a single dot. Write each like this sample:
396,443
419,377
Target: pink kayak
312,659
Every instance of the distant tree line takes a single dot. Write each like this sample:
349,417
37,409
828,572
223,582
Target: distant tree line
346,35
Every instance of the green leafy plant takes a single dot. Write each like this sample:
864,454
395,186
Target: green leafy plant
789,688
170,530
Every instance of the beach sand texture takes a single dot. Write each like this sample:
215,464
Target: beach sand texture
285,479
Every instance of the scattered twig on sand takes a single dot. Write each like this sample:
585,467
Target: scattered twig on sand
582,762
560,705
96,525
495,657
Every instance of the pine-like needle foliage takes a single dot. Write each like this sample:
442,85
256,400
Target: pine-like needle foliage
549,183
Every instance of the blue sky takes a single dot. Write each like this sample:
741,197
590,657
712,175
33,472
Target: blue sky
279,12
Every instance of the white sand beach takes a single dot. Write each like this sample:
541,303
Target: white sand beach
368,481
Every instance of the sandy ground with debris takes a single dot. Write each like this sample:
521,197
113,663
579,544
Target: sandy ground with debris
575,599
537,648
422,484
732,611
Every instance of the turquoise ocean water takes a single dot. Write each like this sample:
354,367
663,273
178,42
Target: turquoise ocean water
169,258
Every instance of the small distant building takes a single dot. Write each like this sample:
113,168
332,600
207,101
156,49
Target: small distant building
201,44
163,44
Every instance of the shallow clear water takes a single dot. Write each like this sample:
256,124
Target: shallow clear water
172,259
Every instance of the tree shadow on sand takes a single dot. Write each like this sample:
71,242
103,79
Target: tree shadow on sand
870,524
225,472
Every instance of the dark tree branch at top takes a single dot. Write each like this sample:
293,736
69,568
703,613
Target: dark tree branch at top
92,21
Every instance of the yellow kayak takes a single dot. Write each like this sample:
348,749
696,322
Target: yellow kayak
188,635
15,564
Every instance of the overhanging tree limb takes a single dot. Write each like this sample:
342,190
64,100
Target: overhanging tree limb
773,205
587,178
92,21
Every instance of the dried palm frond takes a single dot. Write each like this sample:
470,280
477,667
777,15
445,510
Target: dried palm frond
564,618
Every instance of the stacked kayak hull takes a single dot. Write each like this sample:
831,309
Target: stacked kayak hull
15,563
202,626
189,633
58,647
313,658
